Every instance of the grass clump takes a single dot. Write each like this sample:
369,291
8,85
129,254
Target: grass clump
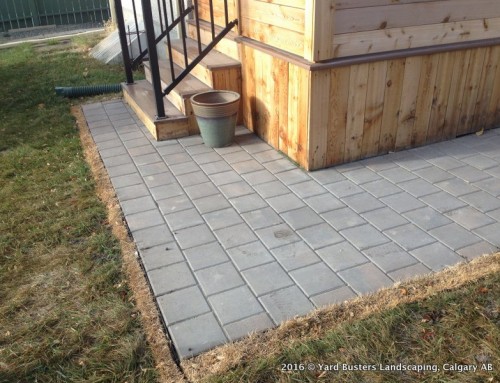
66,313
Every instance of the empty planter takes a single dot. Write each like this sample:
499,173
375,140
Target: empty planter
216,112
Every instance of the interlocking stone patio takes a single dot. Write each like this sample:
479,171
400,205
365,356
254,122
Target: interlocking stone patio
239,239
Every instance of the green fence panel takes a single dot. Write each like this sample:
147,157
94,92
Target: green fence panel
15,14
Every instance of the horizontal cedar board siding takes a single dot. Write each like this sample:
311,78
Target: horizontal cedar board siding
347,4
286,17
399,15
288,3
350,44
285,39
397,104
274,23
218,7
275,102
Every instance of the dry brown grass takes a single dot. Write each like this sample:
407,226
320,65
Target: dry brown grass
168,371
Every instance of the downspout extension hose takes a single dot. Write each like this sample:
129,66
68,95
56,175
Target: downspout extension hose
90,90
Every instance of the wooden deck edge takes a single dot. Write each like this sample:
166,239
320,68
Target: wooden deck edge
161,129
367,58
142,116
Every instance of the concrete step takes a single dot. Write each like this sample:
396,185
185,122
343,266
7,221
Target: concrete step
140,97
217,70
227,45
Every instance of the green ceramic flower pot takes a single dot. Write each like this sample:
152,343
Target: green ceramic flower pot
216,113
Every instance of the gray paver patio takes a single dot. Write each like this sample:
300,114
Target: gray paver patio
238,239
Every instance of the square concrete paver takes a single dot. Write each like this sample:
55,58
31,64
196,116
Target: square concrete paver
170,278
236,304
174,308
194,236
342,256
239,239
204,256
195,335
301,218
390,257
365,278
244,327
409,236
238,235
286,303
315,279
332,297
161,255
319,236
436,256
220,219
278,235
261,218
250,255
295,255
324,203
364,236
266,278
454,236
218,278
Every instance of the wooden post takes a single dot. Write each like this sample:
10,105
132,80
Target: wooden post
112,10
319,30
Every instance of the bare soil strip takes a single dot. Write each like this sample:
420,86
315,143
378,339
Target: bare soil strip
168,371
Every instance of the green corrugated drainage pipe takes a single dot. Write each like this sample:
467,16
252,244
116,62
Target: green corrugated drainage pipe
90,90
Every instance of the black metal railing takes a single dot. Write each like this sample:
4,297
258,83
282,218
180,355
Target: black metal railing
168,20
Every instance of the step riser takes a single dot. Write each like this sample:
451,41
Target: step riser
183,104
220,79
226,45
173,97
160,129
228,78
201,73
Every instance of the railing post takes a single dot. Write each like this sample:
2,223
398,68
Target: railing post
120,22
147,14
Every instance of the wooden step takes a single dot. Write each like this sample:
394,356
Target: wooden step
216,70
140,97
227,45
180,95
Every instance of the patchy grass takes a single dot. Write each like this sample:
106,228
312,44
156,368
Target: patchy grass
444,321
66,313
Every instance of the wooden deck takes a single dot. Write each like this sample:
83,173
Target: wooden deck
333,81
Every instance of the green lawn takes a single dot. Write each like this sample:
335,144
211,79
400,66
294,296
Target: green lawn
65,310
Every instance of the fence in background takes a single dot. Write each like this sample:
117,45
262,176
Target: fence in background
16,14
